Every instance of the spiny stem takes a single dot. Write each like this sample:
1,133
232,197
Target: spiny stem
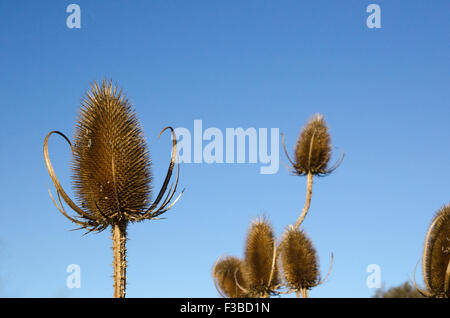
309,185
119,237
304,292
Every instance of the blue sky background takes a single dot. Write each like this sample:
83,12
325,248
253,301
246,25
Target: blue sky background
384,93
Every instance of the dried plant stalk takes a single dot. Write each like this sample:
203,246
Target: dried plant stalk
309,187
119,237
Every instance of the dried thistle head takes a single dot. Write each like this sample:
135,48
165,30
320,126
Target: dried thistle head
228,277
299,260
436,255
111,164
313,149
261,270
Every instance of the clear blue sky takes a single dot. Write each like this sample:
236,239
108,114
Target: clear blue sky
384,93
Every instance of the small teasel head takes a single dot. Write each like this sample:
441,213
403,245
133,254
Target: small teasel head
228,277
436,255
313,149
298,260
261,270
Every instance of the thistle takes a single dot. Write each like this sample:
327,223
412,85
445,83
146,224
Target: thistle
436,256
299,262
111,172
312,155
228,277
261,271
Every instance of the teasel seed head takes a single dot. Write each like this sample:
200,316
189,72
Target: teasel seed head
436,255
111,164
298,260
313,149
261,270
228,277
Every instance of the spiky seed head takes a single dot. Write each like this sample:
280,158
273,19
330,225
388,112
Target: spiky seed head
259,258
298,260
313,148
437,253
111,163
228,275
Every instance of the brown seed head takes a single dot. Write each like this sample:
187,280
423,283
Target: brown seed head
261,270
111,163
299,260
313,148
437,254
228,277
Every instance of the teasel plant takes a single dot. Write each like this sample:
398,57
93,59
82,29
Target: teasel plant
228,277
312,155
299,262
257,275
111,172
436,257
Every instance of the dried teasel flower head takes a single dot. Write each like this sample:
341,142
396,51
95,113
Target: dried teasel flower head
436,255
313,149
261,270
298,260
111,164
228,277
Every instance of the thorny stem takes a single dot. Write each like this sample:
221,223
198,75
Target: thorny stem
304,292
119,237
309,185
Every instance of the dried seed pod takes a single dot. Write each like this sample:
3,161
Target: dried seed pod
436,255
111,163
261,270
313,148
299,260
228,277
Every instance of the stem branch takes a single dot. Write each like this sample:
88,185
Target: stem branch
309,185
